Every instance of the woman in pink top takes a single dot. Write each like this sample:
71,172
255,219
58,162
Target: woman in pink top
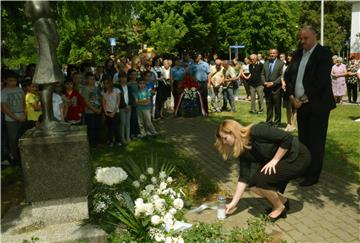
338,73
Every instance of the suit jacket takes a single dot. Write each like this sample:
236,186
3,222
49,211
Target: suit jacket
122,99
255,78
316,81
275,75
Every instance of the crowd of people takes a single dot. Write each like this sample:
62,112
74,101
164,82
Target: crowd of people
126,95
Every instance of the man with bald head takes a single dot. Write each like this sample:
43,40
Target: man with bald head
308,86
216,85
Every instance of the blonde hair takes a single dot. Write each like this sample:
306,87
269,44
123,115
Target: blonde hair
241,136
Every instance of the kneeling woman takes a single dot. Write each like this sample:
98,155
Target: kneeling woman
281,157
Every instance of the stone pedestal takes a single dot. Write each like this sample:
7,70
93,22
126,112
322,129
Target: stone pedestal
55,166
56,172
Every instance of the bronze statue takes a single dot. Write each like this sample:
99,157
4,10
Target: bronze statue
47,72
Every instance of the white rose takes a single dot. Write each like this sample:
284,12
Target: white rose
173,211
139,206
169,219
165,192
155,197
155,220
139,201
159,237
149,209
169,179
142,178
150,171
110,175
149,188
162,175
159,204
153,180
178,203
136,184
162,186
180,240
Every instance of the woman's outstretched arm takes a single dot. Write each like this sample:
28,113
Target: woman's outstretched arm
240,188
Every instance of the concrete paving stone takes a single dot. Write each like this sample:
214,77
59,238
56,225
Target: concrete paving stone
285,226
308,222
315,237
351,229
335,240
328,225
325,234
343,235
296,235
291,220
302,228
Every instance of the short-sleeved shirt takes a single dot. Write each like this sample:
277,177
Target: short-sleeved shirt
200,71
31,113
143,95
177,73
93,95
110,100
216,76
229,73
57,103
14,98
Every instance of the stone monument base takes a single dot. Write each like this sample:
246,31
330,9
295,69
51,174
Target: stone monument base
60,211
19,224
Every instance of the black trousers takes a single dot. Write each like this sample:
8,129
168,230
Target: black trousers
273,105
203,89
93,122
352,92
312,130
113,128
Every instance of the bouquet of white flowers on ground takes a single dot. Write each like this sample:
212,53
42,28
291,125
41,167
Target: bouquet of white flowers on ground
110,188
158,207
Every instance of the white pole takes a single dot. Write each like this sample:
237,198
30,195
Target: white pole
322,24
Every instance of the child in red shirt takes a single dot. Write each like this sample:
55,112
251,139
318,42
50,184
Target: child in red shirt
75,104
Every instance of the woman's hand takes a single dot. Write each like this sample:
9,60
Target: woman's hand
230,208
269,167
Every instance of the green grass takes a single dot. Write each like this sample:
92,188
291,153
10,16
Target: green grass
342,154
142,150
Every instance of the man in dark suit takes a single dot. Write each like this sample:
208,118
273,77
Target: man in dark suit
308,86
271,78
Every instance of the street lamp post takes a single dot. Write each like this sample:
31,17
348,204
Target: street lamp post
322,24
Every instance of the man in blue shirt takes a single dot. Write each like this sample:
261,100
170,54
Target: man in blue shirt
200,72
177,74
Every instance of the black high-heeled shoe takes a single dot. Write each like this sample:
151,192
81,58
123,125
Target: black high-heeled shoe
283,214
286,204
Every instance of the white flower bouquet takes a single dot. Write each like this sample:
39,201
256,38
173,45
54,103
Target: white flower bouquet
190,94
144,200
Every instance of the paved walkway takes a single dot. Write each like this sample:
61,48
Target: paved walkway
326,212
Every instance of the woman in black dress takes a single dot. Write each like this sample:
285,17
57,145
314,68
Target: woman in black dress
281,157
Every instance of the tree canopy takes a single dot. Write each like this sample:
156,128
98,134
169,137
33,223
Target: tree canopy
171,27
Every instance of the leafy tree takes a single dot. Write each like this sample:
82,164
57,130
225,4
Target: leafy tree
165,33
18,42
259,25
337,21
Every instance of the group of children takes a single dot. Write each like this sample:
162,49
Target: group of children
126,107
